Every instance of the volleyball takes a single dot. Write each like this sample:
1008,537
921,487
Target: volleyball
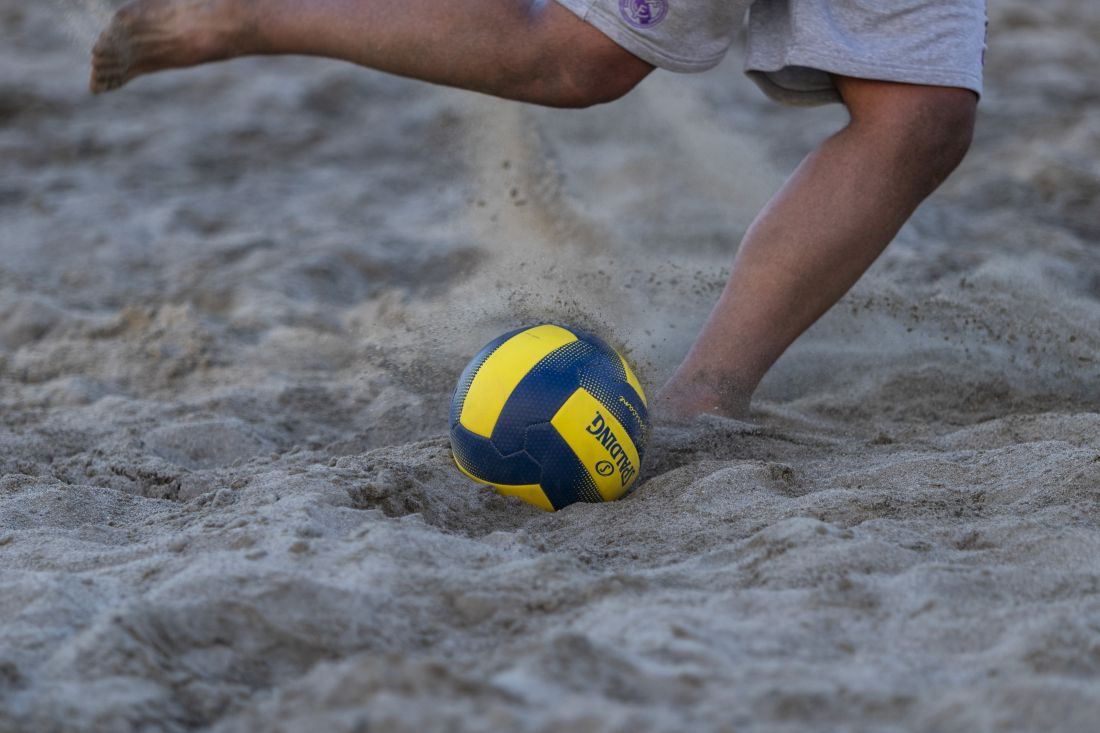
552,415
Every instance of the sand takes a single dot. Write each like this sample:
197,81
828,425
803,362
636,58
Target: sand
233,305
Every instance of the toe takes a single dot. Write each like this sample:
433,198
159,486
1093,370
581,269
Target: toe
110,58
106,80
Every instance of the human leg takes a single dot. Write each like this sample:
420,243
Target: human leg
534,52
819,234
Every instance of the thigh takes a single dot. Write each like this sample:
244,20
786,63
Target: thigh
797,46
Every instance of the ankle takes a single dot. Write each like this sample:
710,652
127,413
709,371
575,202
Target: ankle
684,398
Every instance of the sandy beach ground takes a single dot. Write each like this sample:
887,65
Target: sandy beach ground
233,305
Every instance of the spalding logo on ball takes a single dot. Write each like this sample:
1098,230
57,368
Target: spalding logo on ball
552,415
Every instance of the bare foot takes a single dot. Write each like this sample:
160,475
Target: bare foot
682,400
151,35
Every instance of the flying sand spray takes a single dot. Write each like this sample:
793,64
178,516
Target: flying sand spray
84,19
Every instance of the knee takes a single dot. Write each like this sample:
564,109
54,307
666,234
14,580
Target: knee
599,75
929,129
942,130
570,64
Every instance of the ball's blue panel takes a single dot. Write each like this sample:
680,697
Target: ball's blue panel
481,458
564,479
467,378
598,344
540,394
615,366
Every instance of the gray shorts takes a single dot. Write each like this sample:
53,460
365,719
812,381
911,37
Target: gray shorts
795,46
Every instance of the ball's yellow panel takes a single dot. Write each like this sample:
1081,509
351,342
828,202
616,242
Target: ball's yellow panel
501,372
600,442
531,493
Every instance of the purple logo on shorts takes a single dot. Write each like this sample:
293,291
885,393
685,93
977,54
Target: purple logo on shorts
643,13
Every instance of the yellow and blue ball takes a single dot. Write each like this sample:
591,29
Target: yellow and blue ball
552,415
